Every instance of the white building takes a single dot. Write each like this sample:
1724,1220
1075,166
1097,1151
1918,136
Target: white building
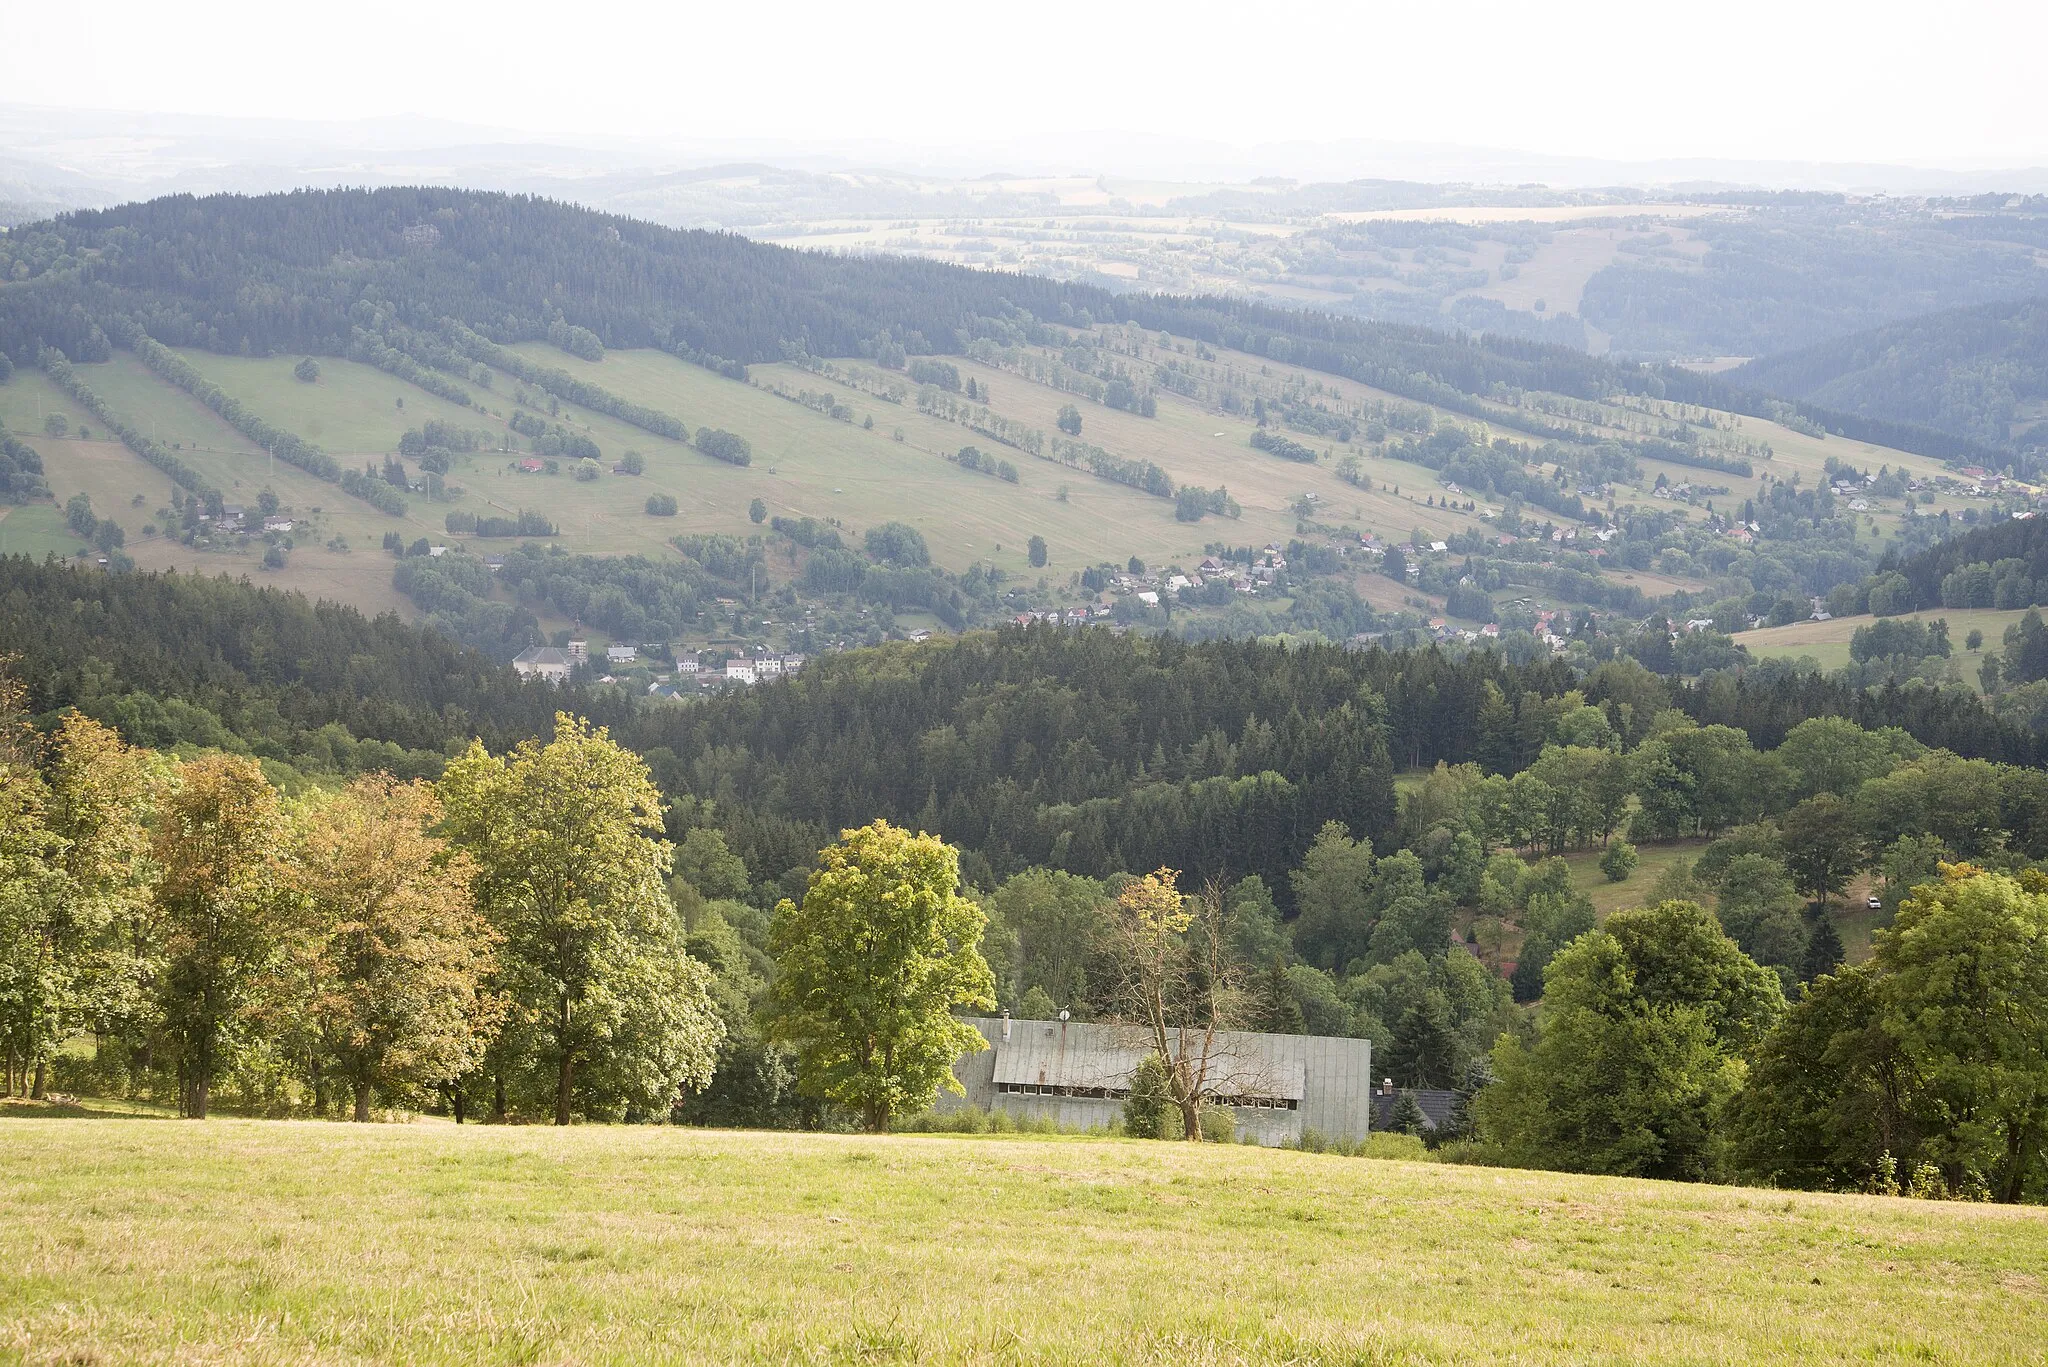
739,671
544,662
621,655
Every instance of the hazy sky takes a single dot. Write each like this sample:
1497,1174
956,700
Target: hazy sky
1949,82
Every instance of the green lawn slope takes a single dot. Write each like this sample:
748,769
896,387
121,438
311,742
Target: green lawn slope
136,1240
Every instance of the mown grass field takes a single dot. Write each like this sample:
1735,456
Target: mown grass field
37,530
1634,890
1828,642
805,464
133,1240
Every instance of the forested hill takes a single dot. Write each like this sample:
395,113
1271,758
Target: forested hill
1968,371
310,271
185,659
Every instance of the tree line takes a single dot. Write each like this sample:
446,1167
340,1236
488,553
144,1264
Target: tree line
502,940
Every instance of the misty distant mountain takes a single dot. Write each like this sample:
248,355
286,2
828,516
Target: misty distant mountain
84,158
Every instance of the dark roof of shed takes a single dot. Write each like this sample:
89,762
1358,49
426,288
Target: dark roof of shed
1437,1107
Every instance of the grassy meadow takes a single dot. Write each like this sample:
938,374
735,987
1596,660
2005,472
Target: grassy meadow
805,464
142,1240
1828,642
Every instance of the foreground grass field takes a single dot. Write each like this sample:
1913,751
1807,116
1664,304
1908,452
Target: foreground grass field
260,1241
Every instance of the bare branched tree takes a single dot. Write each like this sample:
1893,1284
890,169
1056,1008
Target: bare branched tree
1178,987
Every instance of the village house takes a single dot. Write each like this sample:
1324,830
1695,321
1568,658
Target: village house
621,654
739,670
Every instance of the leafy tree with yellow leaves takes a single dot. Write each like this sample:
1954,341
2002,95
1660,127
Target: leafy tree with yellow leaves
216,911
391,954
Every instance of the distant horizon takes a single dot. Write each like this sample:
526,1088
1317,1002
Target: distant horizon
103,148
1593,80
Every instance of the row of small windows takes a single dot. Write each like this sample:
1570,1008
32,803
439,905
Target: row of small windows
1243,1103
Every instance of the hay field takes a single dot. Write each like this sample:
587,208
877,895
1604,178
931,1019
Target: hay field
138,1240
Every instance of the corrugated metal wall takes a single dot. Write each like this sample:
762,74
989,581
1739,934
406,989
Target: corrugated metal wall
1336,1100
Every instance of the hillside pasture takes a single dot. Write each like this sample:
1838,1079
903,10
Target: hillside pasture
351,410
1828,642
138,1240
1634,891
806,463
809,464
37,530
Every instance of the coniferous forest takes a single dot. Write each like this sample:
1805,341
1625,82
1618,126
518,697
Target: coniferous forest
1061,763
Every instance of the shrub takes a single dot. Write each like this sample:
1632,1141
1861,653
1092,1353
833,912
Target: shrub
1406,1148
1149,1112
661,505
729,447
1219,1124
1619,861
306,371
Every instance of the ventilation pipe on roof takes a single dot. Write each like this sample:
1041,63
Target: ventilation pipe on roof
1006,1025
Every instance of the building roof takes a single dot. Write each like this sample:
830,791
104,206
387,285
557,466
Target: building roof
1439,1108
535,657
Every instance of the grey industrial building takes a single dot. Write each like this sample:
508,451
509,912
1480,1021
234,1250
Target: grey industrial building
1079,1074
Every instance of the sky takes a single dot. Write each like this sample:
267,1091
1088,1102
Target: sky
1954,84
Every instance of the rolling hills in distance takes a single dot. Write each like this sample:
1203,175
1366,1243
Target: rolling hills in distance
620,338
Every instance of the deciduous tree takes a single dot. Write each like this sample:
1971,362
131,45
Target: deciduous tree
869,967
1179,991
392,952
217,912
570,867
1823,846
1638,1050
